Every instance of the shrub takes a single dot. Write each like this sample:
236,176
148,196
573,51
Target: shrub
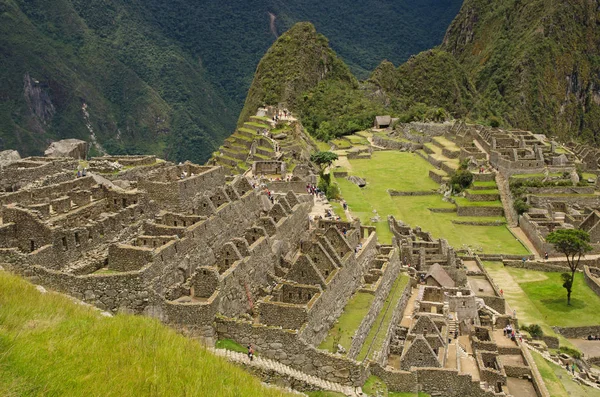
534,330
461,180
494,122
570,351
521,206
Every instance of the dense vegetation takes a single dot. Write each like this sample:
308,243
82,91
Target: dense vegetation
534,63
53,347
170,77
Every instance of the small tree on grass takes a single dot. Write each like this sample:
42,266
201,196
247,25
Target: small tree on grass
323,160
573,243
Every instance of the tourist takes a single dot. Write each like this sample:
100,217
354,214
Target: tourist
84,173
567,368
250,352
573,368
501,292
546,255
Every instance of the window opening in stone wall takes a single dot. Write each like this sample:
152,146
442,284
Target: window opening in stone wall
64,243
32,245
175,223
124,203
115,201
77,239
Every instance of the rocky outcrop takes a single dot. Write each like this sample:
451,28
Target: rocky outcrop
357,181
74,148
8,156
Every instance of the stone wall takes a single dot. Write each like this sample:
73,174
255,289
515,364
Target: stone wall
578,332
337,293
381,356
286,347
480,211
386,283
592,278
396,144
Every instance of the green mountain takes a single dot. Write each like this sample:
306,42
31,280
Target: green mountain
70,67
433,78
170,77
535,63
295,63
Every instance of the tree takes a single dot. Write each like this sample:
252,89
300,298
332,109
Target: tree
323,160
573,243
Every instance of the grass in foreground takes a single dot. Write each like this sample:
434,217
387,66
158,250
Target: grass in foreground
377,333
53,347
344,328
558,382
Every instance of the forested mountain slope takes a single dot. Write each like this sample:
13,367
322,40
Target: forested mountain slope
170,77
535,63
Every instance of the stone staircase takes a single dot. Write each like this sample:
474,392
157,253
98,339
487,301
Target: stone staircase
452,326
261,363
509,212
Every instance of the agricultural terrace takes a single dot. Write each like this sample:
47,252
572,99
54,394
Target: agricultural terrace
407,172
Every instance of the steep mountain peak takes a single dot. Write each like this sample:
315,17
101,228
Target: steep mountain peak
297,61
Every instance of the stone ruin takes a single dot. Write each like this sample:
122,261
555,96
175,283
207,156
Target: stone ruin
456,324
216,258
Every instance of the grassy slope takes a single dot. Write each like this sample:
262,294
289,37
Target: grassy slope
408,172
559,382
348,322
377,333
53,347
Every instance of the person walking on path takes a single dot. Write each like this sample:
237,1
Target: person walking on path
250,352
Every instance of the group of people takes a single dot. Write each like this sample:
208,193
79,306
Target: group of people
509,332
82,172
593,337
313,190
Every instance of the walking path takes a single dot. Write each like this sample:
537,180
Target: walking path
266,364
509,211
518,232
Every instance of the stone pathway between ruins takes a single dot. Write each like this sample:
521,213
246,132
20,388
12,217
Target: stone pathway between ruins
266,364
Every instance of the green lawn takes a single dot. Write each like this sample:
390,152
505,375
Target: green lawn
446,142
408,172
539,298
230,345
464,202
487,191
349,321
377,334
339,210
341,143
376,387
550,298
51,346
357,139
558,382
324,394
